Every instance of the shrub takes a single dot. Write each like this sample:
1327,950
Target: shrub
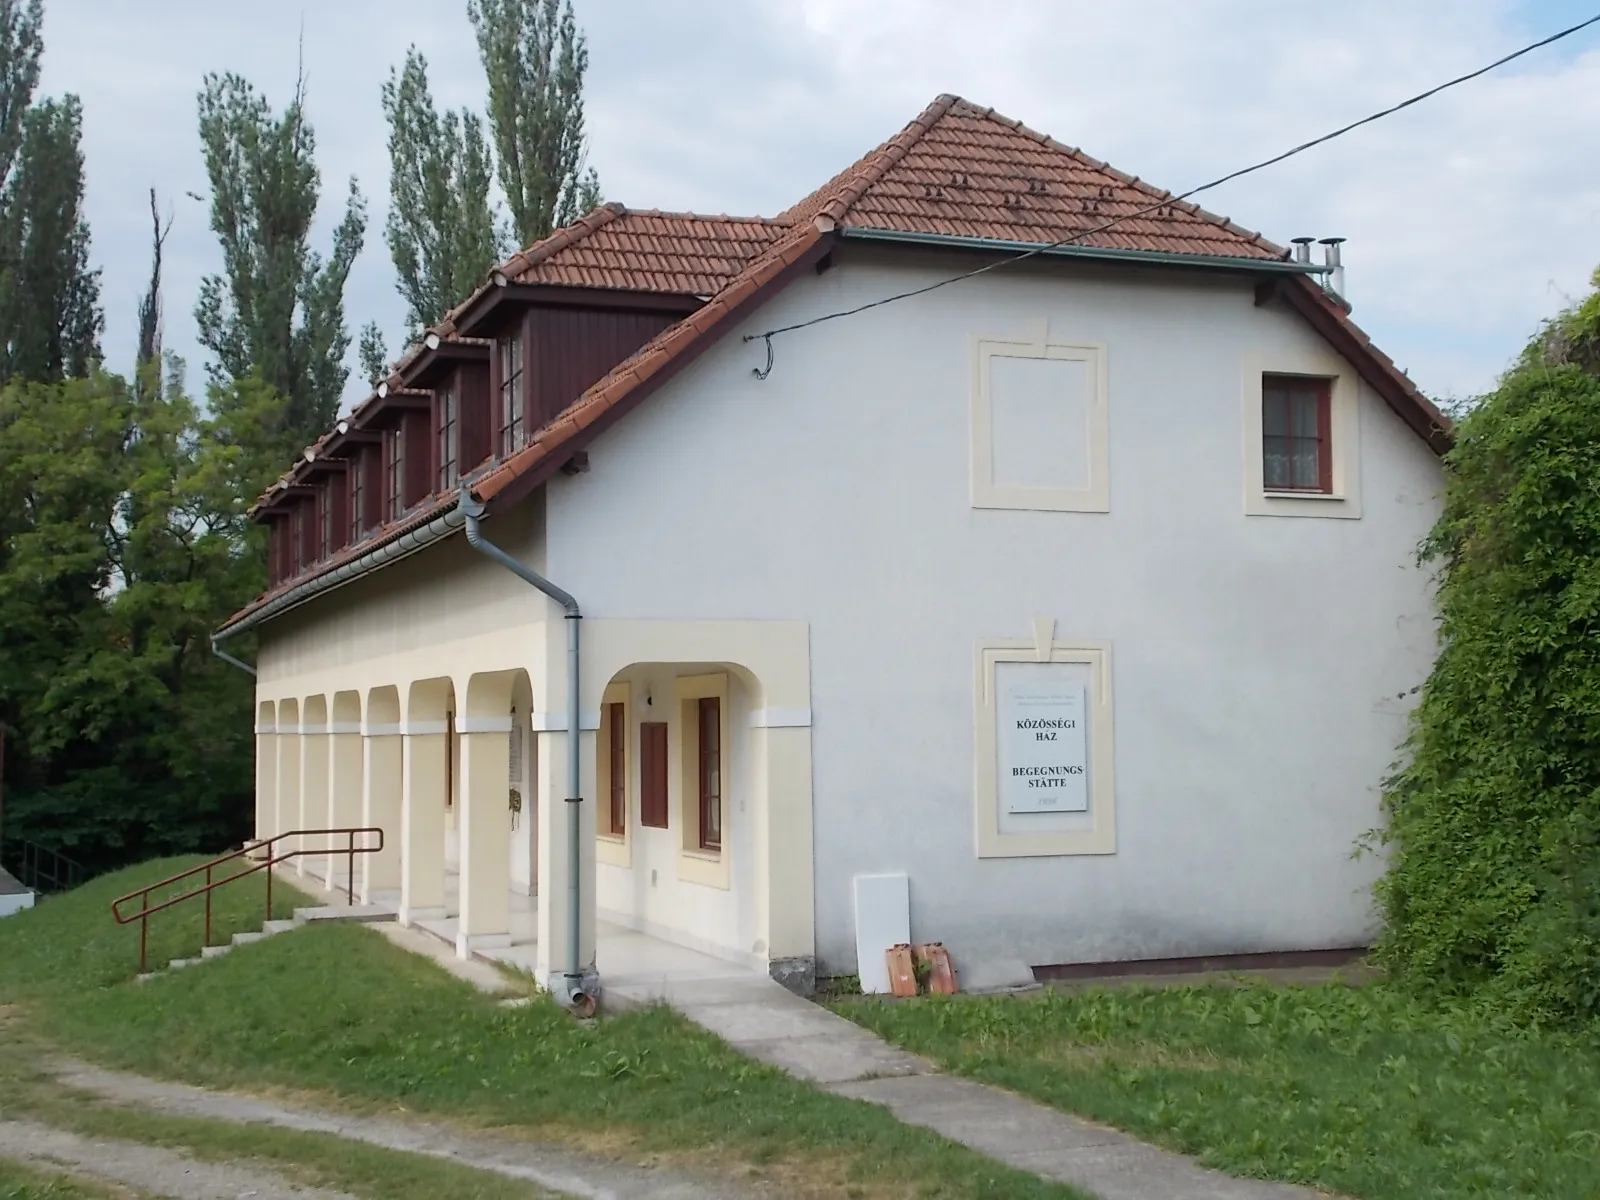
1493,886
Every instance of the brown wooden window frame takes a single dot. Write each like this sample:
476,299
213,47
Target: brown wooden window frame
513,402
449,758
394,473
358,495
709,773
654,793
448,448
325,523
1281,391
297,535
617,761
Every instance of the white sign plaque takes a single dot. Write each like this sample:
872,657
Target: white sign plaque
1044,761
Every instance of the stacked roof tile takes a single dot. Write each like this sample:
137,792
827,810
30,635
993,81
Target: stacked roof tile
613,247
963,171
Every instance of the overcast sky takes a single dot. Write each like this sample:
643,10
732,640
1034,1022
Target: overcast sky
1470,218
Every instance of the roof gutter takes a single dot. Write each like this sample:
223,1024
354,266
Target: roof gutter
409,543
1254,266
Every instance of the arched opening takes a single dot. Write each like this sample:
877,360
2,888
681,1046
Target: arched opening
313,812
679,805
266,770
427,797
345,769
287,814
493,783
382,782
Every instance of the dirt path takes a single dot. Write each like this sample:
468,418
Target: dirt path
552,1167
148,1168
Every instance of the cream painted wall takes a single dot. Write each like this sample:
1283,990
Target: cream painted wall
651,893
1260,663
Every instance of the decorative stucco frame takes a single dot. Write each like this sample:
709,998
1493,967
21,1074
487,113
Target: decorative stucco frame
1101,836
986,493
1345,498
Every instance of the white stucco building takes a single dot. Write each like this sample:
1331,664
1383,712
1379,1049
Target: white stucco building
1082,590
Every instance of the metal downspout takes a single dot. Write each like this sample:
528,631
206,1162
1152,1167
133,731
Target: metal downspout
572,994
230,659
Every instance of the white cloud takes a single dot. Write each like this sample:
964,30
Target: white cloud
1469,217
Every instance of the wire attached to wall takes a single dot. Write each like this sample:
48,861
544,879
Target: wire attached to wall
1166,200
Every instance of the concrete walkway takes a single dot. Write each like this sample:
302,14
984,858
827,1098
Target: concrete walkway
758,1017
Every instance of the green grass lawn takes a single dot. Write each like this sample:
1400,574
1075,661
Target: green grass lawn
21,1182
338,1011
1357,1089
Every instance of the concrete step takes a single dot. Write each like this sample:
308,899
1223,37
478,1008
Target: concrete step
215,951
244,939
344,912
272,927
179,964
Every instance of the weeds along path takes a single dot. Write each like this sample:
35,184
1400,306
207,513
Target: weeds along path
148,1168
556,1169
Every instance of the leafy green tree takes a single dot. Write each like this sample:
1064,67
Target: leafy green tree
49,296
277,308
126,545
535,58
441,227
1493,884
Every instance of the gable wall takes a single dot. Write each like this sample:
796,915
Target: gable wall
1258,662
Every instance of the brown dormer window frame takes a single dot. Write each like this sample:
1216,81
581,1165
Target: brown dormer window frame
325,523
513,394
297,534
449,439
358,494
394,452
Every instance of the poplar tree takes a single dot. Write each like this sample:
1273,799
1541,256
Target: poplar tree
20,47
535,57
49,295
441,227
277,309
149,354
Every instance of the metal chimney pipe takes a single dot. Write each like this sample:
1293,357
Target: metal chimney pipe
1302,249
1335,264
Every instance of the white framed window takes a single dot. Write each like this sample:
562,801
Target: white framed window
1040,430
1301,420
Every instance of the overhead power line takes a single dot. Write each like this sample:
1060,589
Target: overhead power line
769,334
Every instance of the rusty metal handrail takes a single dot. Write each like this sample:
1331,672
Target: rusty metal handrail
146,910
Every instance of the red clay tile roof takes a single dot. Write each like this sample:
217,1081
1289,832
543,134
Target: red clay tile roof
965,171
957,170
614,247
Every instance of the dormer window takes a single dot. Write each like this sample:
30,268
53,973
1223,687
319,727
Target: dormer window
326,533
394,450
449,425
358,495
511,396
298,540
